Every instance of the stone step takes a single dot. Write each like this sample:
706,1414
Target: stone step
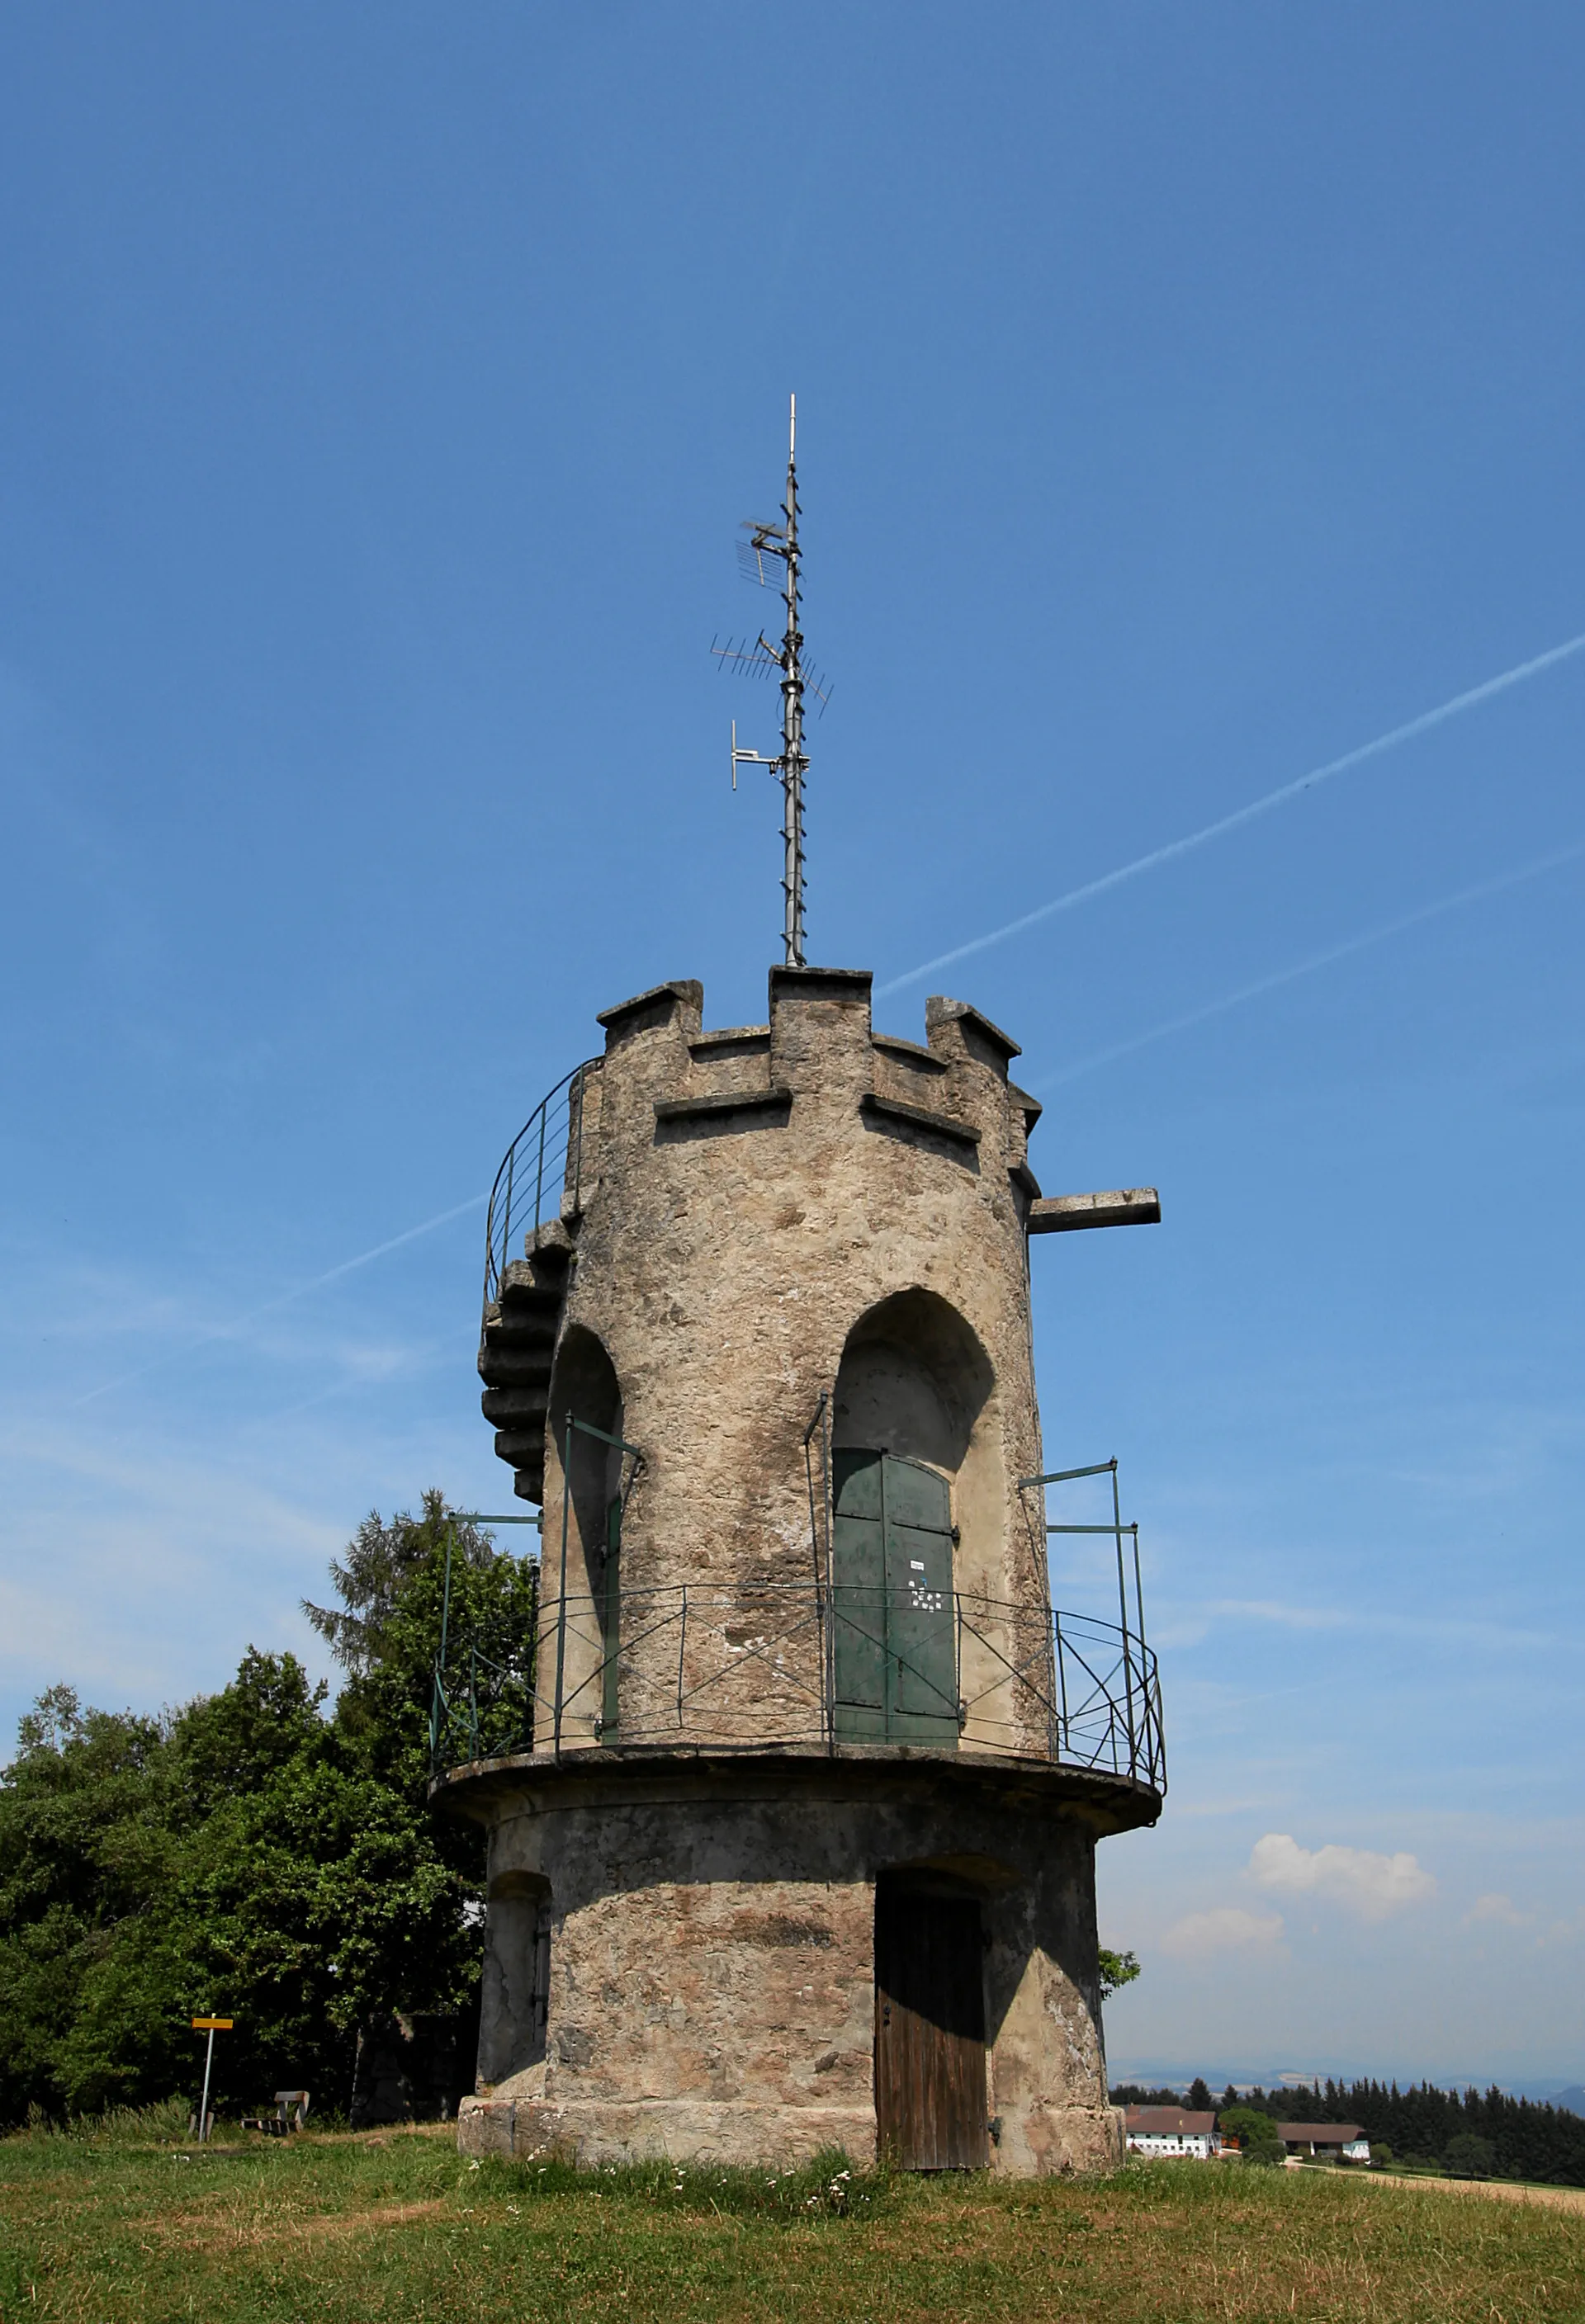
517,1349
525,1453
528,1285
505,1363
516,1409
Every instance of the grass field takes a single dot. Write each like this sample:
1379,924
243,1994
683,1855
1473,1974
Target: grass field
119,2228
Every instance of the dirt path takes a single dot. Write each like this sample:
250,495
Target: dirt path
1559,2199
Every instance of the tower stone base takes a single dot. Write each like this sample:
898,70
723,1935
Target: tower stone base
682,1954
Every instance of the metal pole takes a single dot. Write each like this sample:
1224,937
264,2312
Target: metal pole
446,1595
1064,1735
1123,1610
829,1708
793,759
577,1100
204,2101
562,1608
1050,1688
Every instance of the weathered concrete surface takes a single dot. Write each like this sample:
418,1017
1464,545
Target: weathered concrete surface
709,1965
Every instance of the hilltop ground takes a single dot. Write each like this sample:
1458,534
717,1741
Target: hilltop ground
391,2229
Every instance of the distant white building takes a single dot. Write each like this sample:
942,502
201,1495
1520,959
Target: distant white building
1173,2132
1327,2142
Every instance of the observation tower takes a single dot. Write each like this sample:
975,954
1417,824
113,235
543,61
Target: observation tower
792,1797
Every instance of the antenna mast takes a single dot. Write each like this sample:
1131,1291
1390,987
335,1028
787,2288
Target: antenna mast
780,541
794,766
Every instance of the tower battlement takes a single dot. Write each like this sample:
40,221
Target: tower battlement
818,1047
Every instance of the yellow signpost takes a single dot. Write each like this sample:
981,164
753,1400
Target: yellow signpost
212,2026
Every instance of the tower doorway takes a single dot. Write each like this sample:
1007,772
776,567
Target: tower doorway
894,1614
929,2029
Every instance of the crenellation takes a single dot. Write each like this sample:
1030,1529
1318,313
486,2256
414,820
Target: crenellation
734,1040
955,1028
680,1001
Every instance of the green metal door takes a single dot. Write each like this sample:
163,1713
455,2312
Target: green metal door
894,1630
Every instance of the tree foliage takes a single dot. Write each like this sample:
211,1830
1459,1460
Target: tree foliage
1256,2132
1117,1969
251,1855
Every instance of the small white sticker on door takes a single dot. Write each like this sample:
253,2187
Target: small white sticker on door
917,1564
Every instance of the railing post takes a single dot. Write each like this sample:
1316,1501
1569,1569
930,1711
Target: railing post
575,1142
440,1657
446,1592
1123,1612
562,1607
1051,1732
539,1175
682,1650
1064,1731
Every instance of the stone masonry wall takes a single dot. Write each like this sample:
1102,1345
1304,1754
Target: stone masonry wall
747,1197
711,1962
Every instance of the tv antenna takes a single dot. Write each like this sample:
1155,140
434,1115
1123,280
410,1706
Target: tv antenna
768,547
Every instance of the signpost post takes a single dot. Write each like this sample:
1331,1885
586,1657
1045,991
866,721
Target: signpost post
210,2025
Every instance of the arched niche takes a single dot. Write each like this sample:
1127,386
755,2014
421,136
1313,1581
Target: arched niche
584,1386
915,1382
515,1991
582,1535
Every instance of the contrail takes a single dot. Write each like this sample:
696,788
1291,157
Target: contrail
1175,847
1316,960
282,1299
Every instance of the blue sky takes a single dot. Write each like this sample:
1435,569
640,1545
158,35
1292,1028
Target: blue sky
1188,397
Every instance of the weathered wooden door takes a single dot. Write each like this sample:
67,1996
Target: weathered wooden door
929,2030
894,1629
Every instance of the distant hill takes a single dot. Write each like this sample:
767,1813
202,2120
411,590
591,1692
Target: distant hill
1573,2098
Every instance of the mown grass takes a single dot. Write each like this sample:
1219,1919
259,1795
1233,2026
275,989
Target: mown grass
110,2225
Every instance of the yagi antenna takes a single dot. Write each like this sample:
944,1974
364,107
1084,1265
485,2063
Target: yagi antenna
771,552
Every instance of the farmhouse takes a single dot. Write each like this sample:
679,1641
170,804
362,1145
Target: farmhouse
1173,2131
1324,2142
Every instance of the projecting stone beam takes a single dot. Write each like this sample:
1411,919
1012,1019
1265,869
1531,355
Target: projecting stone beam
1125,1206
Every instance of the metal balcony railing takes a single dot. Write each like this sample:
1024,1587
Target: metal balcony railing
758,1668
541,1175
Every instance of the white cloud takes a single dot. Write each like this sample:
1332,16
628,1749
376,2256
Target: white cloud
1371,1885
1495,1906
1228,1928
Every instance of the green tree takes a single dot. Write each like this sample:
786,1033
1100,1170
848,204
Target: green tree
1468,2155
251,1857
1117,1969
1257,2133
1200,2099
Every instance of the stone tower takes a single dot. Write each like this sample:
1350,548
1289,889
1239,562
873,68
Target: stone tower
793,1802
